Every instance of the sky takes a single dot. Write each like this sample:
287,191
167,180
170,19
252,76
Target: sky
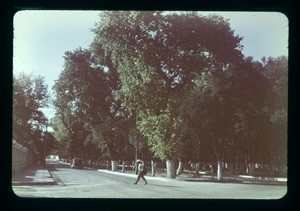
42,37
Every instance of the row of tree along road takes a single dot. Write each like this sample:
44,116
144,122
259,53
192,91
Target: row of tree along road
171,87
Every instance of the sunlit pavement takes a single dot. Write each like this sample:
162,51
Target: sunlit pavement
77,183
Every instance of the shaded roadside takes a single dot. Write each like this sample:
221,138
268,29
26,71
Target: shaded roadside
33,175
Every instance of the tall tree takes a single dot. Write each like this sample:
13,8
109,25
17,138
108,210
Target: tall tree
276,71
85,92
251,120
30,96
226,112
157,56
73,93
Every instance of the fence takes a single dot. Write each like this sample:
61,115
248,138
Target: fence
21,158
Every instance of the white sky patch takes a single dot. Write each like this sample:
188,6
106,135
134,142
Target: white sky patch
42,37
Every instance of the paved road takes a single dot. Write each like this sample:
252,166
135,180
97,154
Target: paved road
75,183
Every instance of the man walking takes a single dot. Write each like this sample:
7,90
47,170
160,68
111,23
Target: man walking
142,171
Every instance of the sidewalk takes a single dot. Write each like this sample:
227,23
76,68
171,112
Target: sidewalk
243,179
34,175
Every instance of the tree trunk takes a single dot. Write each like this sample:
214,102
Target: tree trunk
180,168
251,168
114,166
197,168
231,168
123,166
247,164
153,167
241,168
219,172
273,168
170,168
108,166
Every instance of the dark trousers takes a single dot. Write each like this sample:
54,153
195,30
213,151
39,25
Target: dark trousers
140,175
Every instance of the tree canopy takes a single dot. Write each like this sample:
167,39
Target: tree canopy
157,57
30,96
177,83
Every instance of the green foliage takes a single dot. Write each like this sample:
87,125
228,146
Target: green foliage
87,105
157,57
61,134
176,83
163,132
29,97
230,112
112,137
76,90
80,86
276,71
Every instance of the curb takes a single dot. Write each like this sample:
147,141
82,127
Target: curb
237,181
279,179
32,183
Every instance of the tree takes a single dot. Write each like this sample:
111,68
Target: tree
176,84
51,143
85,92
29,97
251,122
276,71
226,113
70,132
75,92
60,134
157,55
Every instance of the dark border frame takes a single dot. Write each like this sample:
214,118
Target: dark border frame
287,7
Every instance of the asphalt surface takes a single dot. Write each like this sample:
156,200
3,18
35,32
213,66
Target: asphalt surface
89,183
